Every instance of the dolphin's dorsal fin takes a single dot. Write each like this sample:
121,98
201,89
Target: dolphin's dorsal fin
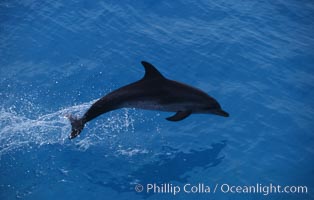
151,72
180,115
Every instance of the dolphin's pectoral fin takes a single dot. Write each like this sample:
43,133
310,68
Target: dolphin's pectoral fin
180,115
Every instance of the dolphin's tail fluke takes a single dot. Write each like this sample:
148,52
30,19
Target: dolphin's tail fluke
77,126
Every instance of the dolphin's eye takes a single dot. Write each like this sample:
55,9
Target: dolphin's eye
208,107
213,106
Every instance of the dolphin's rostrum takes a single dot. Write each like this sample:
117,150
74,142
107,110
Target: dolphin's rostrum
152,92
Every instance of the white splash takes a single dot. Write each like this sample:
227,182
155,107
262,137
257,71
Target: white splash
17,131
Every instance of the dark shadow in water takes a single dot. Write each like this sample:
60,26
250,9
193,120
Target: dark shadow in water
171,166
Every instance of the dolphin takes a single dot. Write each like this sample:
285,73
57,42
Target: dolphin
152,92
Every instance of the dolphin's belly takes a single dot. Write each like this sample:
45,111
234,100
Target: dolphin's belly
153,105
159,99
147,105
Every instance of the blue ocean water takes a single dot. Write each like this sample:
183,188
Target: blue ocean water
57,57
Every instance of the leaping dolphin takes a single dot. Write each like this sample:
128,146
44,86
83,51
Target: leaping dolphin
152,92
